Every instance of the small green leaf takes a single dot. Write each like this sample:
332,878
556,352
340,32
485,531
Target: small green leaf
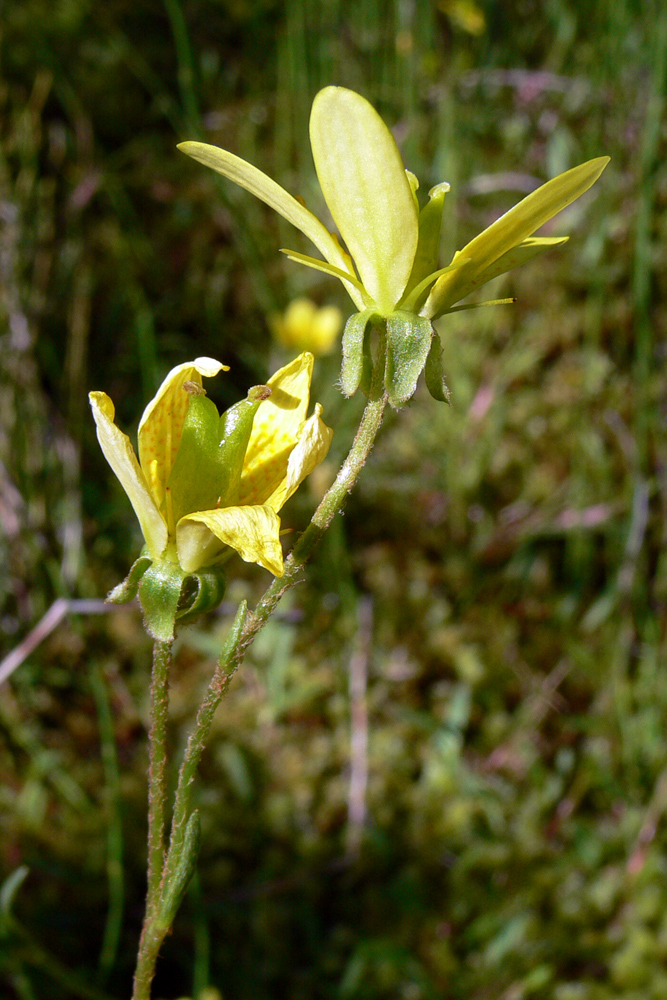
433,371
408,344
479,305
353,351
159,596
127,590
174,890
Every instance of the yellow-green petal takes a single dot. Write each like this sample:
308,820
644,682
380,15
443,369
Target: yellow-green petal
366,188
321,265
454,287
161,425
119,453
532,212
254,532
311,449
276,430
267,190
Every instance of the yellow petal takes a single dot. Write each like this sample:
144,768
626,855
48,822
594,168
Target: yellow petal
162,422
366,188
275,430
444,295
310,450
254,532
268,191
532,212
119,453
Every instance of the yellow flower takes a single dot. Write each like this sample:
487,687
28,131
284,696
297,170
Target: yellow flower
204,482
391,270
305,327
372,200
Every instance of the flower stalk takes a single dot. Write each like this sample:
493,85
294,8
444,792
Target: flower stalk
169,874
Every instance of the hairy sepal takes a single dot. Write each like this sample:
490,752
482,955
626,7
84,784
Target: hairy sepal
408,344
354,335
434,374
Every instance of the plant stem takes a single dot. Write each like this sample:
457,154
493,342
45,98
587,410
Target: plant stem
157,793
241,636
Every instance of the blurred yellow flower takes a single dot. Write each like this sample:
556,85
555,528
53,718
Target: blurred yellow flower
464,14
304,327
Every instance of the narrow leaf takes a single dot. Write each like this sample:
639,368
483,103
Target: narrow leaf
442,297
410,302
176,885
235,429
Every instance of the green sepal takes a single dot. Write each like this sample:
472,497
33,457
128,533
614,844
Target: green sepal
174,890
433,371
202,591
366,367
159,596
234,430
408,344
354,337
428,247
127,590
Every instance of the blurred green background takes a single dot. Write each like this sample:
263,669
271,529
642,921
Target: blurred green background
442,771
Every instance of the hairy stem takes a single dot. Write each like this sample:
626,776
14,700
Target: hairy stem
157,796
